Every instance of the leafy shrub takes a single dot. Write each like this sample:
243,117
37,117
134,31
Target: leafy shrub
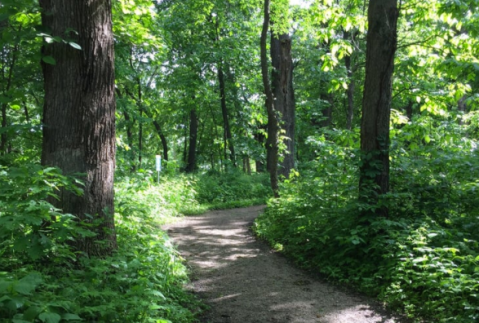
169,198
231,187
41,280
194,193
423,259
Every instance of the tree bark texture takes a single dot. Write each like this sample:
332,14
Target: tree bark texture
79,113
380,51
283,93
273,121
191,162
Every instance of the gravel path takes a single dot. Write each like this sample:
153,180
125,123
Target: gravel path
245,282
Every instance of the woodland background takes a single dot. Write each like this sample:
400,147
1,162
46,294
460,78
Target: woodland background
189,85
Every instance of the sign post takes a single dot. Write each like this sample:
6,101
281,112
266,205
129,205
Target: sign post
158,166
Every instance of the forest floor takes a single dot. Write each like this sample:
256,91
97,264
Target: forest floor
244,281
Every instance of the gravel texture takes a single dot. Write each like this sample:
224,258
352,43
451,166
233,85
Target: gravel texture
244,281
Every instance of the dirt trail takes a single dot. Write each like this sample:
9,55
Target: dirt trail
245,282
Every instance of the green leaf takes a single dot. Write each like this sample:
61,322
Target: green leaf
74,45
70,317
420,259
50,317
4,289
31,313
28,283
49,60
13,305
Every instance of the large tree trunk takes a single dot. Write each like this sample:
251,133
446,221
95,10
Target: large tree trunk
79,113
380,50
191,163
273,122
282,87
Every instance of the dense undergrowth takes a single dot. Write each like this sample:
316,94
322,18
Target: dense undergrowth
43,280
424,258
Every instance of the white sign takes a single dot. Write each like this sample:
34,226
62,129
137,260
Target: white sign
158,163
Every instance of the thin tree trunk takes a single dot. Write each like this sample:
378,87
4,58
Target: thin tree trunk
164,142
3,137
79,114
191,164
216,135
160,133
129,138
25,111
349,92
227,137
282,87
409,111
185,142
380,50
328,111
260,138
462,107
273,122
140,124
8,85
129,133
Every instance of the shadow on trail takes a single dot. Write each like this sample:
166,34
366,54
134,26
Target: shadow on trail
244,282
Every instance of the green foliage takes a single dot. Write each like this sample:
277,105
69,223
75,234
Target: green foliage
43,280
30,227
191,194
215,188
165,200
423,258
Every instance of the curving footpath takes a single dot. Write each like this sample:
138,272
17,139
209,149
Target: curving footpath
245,282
